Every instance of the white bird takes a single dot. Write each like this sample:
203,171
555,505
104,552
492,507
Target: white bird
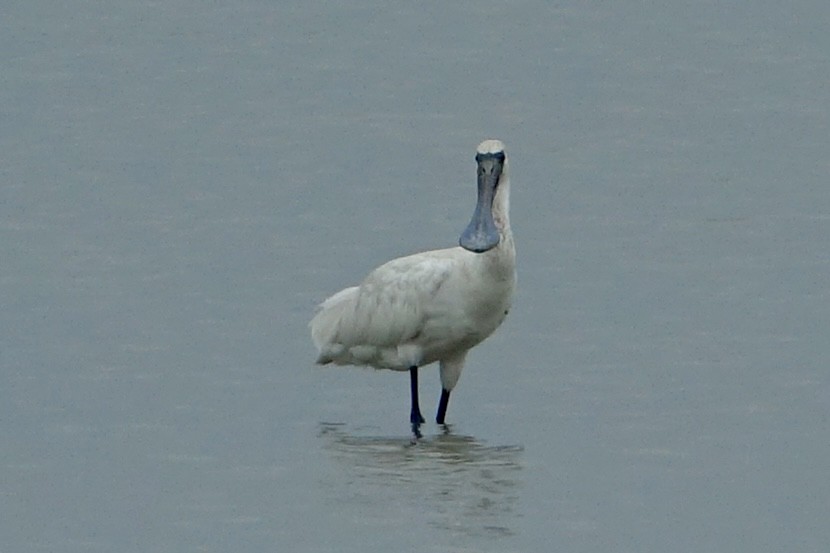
430,306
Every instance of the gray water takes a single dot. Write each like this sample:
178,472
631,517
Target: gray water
181,182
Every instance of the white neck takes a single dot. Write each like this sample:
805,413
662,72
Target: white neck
501,204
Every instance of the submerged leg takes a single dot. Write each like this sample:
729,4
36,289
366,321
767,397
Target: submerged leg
442,406
415,415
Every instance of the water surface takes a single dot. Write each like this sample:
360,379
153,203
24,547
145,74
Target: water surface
182,182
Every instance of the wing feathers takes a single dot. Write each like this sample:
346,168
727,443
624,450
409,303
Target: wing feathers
388,310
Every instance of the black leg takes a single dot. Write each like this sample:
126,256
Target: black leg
442,406
415,415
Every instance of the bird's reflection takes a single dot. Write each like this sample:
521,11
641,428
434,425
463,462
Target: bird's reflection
450,481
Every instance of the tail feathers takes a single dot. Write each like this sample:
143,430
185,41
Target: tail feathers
326,323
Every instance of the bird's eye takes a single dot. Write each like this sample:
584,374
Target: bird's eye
500,156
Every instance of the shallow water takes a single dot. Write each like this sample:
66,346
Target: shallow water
181,183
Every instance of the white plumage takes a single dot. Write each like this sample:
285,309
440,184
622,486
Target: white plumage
430,306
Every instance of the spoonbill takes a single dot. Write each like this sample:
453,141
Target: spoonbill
430,306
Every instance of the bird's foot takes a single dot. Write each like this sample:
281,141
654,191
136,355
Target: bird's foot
417,420
416,433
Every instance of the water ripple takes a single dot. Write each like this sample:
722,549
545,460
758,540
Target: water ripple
448,481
